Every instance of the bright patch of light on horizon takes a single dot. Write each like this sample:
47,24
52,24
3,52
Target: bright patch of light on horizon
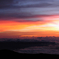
48,26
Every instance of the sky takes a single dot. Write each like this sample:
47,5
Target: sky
29,18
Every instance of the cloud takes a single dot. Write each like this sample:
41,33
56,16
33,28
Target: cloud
30,18
5,3
26,3
26,10
35,3
26,18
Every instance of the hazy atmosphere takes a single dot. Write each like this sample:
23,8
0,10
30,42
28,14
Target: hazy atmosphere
30,24
29,18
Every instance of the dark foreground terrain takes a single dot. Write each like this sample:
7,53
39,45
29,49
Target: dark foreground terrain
6,49
19,45
10,53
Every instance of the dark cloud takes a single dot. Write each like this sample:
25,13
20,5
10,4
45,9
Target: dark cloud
26,8
34,5
15,15
24,3
19,16
6,3
27,3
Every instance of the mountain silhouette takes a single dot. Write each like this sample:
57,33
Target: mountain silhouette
10,53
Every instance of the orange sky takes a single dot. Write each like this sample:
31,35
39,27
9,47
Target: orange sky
49,26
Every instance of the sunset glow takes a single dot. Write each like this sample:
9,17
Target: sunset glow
29,18
48,27
29,27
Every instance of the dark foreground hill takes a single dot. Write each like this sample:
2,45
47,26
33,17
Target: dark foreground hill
10,53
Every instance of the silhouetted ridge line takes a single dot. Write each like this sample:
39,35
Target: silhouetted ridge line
12,53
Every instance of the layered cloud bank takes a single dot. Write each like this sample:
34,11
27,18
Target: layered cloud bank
29,18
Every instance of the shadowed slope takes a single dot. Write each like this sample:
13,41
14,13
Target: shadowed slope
12,53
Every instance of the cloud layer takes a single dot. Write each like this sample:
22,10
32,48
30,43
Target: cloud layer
28,8
38,17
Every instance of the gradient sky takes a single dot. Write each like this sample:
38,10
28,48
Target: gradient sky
29,18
